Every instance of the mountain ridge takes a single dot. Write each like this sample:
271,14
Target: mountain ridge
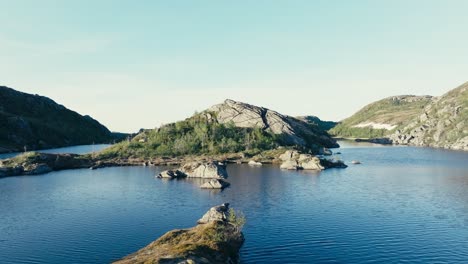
32,122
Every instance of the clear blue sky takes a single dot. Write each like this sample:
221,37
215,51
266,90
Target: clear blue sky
133,64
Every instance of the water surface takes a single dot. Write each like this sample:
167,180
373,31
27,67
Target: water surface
402,205
81,149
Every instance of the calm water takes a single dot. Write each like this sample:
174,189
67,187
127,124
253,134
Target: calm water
402,205
83,149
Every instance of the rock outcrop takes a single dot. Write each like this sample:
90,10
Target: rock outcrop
216,213
216,239
172,174
293,130
215,184
294,160
206,170
442,124
33,163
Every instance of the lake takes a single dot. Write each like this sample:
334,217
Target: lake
401,205
82,149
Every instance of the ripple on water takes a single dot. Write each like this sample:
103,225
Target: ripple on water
402,205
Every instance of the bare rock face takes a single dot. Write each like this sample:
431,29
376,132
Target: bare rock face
217,213
442,124
207,170
293,130
215,184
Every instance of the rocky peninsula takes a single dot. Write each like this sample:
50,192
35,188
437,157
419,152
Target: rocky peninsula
217,238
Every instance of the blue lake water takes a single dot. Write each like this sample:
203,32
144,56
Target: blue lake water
82,149
402,205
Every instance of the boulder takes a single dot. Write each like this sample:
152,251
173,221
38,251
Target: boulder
171,174
215,184
254,163
290,165
312,163
217,213
206,170
294,160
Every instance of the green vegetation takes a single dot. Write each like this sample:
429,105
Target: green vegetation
236,218
194,136
394,111
315,121
358,132
36,122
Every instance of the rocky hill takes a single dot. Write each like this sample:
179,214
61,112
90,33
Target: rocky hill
381,118
443,123
293,130
230,127
37,122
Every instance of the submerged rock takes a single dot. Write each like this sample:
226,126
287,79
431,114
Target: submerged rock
215,184
216,239
207,170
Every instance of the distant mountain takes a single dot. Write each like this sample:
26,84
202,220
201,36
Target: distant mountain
443,123
382,118
37,122
313,120
229,127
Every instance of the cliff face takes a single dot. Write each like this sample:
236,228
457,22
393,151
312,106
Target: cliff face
37,122
443,123
294,130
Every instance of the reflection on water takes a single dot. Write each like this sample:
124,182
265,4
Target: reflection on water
403,204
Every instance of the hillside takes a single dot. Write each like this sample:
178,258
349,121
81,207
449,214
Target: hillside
443,123
37,122
381,118
313,120
230,127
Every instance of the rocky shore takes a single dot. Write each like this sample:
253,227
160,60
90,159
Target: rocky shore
217,238
34,163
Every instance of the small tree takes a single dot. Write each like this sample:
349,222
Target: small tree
236,218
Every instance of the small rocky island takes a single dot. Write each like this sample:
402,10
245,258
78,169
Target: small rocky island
217,238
